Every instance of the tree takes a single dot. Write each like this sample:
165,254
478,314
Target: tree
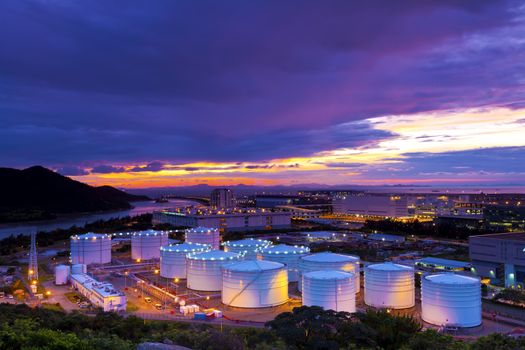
309,327
432,340
391,332
497,341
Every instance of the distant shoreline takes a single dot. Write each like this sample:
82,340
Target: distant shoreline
69,220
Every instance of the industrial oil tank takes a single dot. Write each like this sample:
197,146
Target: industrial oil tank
330,261
254,284
91,248
451,299
173,258
145,245
389,285
203,270
329,289
204,235
285,254
61,274
247,246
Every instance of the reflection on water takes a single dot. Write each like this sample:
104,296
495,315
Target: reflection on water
80,220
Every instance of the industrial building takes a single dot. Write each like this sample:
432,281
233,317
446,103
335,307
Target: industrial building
222,198
90,248
236,219
500,257
440,264
100,294
386,238
372,205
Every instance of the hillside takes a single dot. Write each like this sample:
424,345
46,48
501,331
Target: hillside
38,193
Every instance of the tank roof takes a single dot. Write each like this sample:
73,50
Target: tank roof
201,229
285,249
389,266
150,233
248,242
186,247
329,275
451,278
91,235
330,257
215,255
254,265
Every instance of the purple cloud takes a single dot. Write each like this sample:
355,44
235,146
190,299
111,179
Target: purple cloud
155,166
107,169
240,81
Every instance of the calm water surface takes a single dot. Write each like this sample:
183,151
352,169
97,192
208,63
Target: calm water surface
80,220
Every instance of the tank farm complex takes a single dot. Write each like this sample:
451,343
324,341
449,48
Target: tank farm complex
252,280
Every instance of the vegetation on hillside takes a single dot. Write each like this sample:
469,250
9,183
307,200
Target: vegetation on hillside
304,328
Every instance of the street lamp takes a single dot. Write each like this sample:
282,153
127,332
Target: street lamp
156,272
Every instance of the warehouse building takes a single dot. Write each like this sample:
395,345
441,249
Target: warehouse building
500,257
236,219
100,294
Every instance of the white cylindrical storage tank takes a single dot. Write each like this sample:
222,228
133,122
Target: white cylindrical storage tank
173,258
145,245
389,285
78,269
254,284
329,289
203,270
204,235
61,274
247,246
285,254
91,248
450,299
330,261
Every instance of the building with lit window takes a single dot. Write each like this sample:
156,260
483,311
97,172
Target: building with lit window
222,198
500,257
233,219
100,294
372,205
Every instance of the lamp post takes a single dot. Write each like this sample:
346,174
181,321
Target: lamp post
156,272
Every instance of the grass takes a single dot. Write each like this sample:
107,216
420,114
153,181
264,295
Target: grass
53,307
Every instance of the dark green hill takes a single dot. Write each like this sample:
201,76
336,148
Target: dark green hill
38,193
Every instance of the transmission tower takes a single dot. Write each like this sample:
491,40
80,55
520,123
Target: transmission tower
32,271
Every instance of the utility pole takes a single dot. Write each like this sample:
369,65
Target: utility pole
32,271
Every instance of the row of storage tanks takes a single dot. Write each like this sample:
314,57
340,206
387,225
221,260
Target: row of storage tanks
254,273
95,248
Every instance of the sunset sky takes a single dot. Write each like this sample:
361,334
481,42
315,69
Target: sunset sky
170,93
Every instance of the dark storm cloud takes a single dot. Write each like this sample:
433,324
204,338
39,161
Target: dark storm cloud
106,82
155,166
107,169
